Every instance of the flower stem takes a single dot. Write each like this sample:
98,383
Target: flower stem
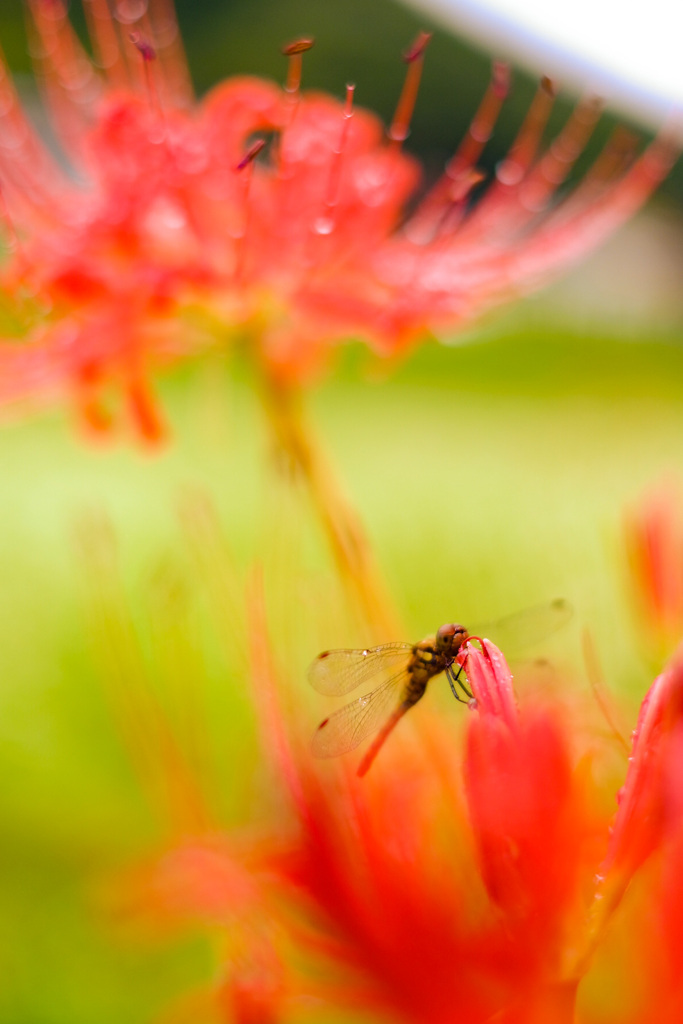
341,525
607,898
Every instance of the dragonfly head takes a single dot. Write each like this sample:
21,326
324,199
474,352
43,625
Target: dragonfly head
449,638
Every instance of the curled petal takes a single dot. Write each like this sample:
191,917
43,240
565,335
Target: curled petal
650,803
491,682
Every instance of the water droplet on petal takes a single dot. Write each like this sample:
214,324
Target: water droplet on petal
323,226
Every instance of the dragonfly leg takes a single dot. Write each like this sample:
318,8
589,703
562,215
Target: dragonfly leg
457,678
454,680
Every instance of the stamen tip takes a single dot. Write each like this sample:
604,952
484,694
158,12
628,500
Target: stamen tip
592,107
298,46
251,154
501,79
143,46
549,86
416,50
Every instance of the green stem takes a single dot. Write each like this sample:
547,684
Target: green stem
343,530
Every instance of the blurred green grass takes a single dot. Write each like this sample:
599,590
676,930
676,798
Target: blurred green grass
490,476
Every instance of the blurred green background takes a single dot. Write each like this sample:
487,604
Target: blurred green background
490,475
355,42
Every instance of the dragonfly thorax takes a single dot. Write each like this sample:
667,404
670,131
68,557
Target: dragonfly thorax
433,656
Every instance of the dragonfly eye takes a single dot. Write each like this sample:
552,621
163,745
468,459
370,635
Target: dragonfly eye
444,636
450,637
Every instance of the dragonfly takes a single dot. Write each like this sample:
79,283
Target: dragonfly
402,672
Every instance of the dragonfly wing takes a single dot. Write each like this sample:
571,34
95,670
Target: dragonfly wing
349,726
530,626
335,673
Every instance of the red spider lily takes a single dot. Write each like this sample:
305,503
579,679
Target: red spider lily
480,888
494,914
649,802
172,226
649,822
389,867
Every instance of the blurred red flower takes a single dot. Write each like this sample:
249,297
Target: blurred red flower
216,884
166,224
493,910
452,904
481,892
654,544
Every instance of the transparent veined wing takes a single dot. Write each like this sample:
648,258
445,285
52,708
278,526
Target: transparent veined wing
523,629
346,728
335,673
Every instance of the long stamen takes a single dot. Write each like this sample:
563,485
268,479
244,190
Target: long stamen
556,163
414,58
437,206
149,56
612,160
457,199
144,47
246,168
295,52
69,75
105,39
612,163
28,168
512,169
251,154
483,122
164,30
325,224
126,18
